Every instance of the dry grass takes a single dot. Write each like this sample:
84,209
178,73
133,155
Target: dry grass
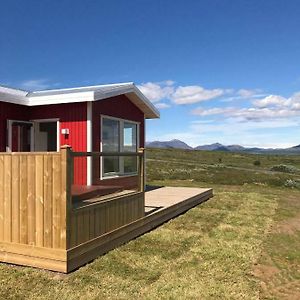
206,253
242,244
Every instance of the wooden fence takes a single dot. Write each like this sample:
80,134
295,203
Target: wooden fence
94,220
38,223
33,193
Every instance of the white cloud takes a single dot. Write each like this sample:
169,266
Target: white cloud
35,84
194,93
271,100
200,111
246,93
157,91
191,94
162,105
244,114
168,82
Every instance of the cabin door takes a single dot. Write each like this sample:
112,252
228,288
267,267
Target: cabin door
46,135
20,136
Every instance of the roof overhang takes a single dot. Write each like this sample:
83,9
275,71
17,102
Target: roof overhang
81,94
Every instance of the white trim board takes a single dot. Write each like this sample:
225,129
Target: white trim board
89,142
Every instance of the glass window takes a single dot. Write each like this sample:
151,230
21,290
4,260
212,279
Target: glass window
130,145
119,136
110,135
130,137
110,143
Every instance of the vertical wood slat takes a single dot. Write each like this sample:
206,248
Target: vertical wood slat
31,199
15,199
56,171
1,197
95,220
66,197
39,200
7,199
47,201
23,200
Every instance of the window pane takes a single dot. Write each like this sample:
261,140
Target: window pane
110,135
110,143
111,165
130,145
130,137
130,164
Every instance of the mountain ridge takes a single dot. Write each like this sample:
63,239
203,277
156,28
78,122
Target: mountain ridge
178,144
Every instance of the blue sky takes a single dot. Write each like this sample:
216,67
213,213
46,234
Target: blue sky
219,71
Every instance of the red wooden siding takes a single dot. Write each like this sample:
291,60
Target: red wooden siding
73,117
13,112
118,107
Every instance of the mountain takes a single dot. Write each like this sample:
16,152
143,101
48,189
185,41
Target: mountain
212,147
220,147
176,144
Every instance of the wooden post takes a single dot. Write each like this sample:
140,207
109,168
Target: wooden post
67,180
142,170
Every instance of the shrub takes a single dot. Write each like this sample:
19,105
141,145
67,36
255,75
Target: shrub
292,183
284,169
256,163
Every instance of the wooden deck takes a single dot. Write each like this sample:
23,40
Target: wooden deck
161,205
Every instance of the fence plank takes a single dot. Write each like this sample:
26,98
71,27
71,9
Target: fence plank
15,199
47,201
7,199
39,200
56,171
23,200
1,197
31,199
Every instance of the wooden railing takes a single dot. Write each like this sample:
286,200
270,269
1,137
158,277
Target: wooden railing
140,166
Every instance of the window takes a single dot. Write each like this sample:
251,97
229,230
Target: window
119,136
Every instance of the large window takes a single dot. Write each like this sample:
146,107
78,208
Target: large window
119,136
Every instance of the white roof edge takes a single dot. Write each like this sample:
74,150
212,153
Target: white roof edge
77,89
79,94
147,101
12,91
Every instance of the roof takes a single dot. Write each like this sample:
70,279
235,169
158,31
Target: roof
81,94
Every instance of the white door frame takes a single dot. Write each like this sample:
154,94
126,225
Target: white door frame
9,133
35,121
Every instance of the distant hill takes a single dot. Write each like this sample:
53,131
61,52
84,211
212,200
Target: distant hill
177,144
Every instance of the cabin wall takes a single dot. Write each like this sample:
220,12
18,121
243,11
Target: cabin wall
72,116
117,107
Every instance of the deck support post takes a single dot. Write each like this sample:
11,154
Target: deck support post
141,168
67,174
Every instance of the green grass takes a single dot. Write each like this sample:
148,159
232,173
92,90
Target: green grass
241,244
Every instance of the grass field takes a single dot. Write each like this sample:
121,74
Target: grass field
242,244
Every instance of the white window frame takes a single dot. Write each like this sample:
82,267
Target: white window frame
121,143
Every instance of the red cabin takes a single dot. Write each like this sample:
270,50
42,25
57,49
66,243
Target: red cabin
103,118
